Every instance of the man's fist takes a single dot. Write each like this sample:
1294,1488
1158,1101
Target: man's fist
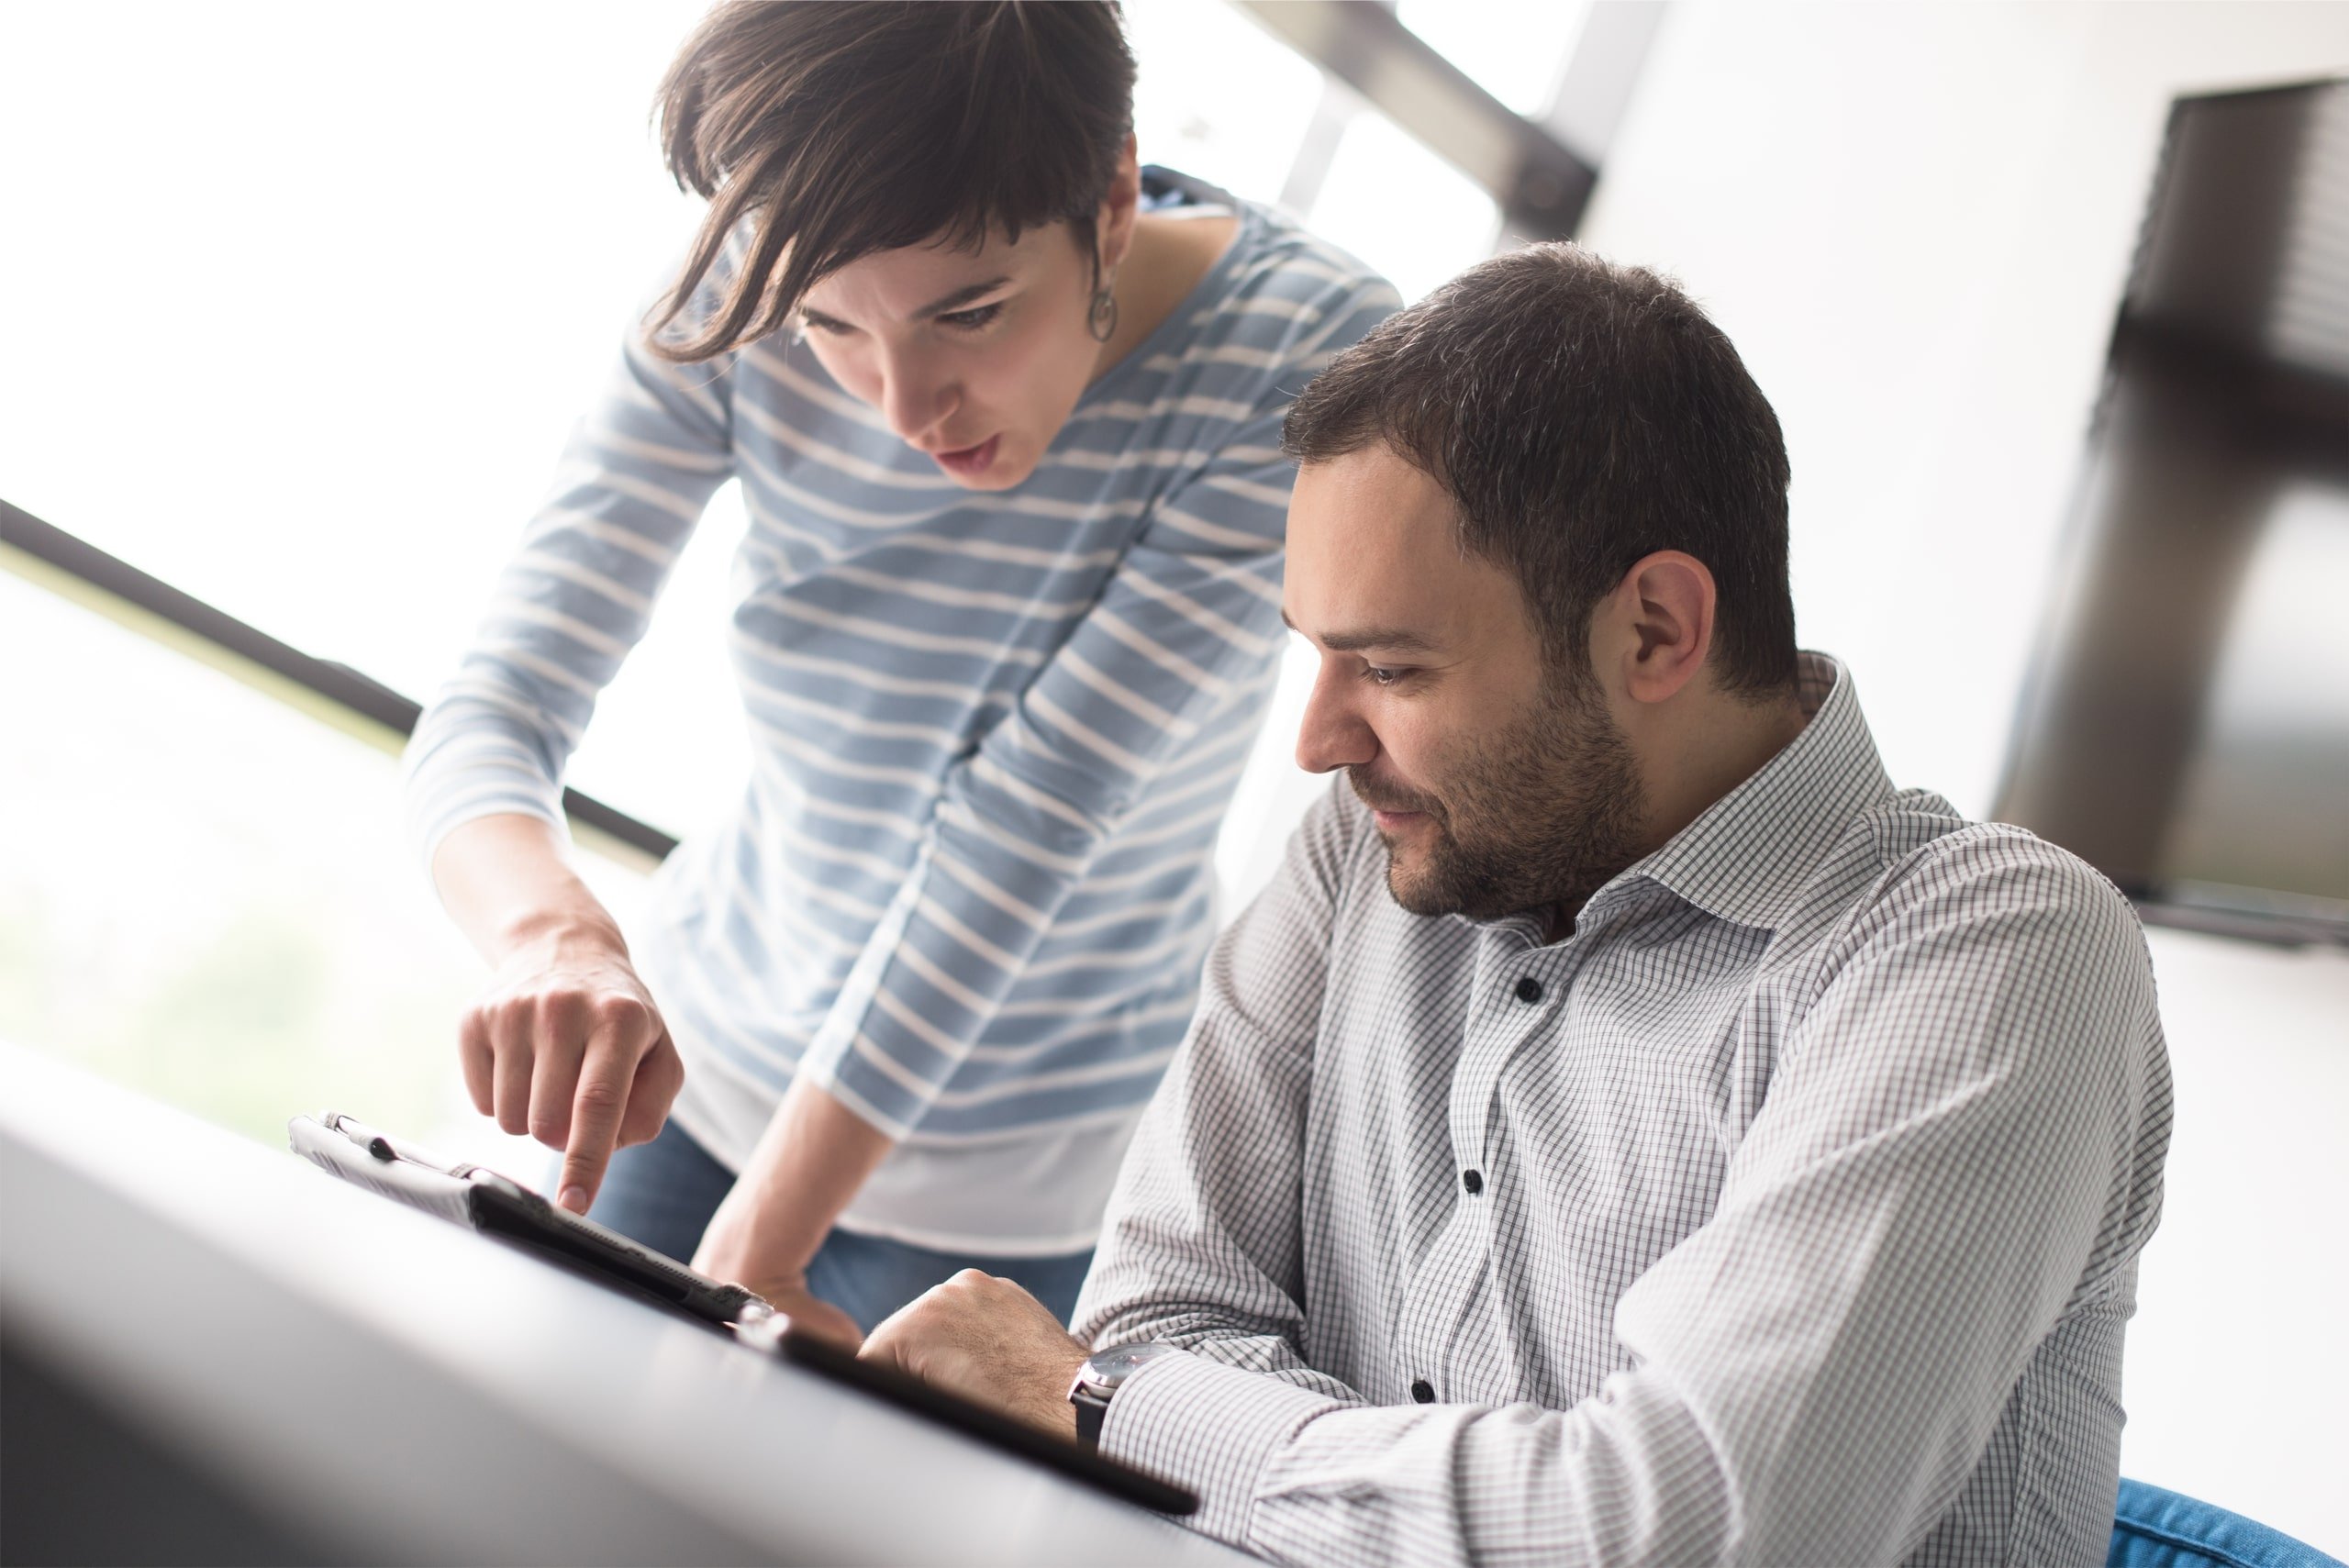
990,1341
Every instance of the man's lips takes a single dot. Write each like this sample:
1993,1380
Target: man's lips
1390,816
968,459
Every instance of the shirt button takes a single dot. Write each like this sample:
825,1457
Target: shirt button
1423,1391
1473,1182
1529,989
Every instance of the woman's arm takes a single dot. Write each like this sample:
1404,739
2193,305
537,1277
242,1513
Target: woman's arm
813,1158
564,1044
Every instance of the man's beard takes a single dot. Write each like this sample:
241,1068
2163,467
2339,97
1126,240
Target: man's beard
1538,816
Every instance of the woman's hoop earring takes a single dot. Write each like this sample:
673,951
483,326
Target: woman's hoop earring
1101,320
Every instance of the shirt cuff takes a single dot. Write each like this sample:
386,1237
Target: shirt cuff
1209,1426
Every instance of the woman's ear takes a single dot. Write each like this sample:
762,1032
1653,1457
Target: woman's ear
1114,227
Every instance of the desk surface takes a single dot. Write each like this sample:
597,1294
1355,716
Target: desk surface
401,1389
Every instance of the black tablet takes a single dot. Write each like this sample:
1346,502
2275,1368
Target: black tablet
498,1205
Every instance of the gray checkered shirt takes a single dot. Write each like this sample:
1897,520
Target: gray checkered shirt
1785,1212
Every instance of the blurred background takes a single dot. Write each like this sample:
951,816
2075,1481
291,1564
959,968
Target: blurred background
299,303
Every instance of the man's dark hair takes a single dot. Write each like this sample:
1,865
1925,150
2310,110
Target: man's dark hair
1581,414
842,129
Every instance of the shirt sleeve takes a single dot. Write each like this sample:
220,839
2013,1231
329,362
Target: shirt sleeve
1183,636
1205,1254
1819,1368
577,596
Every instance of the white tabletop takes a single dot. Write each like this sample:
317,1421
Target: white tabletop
412,1391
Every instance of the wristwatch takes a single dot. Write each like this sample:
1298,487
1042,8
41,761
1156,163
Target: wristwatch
1099,1378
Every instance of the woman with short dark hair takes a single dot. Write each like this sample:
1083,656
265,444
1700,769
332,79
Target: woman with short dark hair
1005,408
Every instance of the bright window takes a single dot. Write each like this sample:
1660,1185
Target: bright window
1216,97
299,322
1401,208
318,293
1515,49
206,896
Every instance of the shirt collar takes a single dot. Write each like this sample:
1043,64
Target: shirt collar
1746,857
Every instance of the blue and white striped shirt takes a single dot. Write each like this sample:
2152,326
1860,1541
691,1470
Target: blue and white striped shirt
968,889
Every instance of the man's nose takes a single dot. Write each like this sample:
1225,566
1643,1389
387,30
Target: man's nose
1332,734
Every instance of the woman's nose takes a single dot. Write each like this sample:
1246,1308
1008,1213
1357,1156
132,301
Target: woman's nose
914,398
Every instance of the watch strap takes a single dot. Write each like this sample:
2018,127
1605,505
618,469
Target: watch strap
1092,1414
1097,1381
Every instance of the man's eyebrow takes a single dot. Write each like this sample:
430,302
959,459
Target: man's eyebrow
951,303
1393,637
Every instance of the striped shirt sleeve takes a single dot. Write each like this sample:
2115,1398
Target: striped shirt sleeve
577,595
1184,634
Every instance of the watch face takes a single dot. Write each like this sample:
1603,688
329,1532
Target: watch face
1105,1370
1114,1366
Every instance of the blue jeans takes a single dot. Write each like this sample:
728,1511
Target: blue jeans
662,1194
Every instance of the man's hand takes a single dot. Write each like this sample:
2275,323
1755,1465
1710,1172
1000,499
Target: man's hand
990,1341
566,1045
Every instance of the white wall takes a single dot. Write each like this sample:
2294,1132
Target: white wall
2237,1379
1915,221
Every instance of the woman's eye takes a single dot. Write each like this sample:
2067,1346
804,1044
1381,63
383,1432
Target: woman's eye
824,324
971,320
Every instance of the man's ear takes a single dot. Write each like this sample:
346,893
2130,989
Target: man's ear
1662,617
1114,225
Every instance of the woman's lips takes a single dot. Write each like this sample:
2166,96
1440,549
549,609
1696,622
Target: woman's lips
969,459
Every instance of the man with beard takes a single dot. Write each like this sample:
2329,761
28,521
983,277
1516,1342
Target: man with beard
1629,1128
